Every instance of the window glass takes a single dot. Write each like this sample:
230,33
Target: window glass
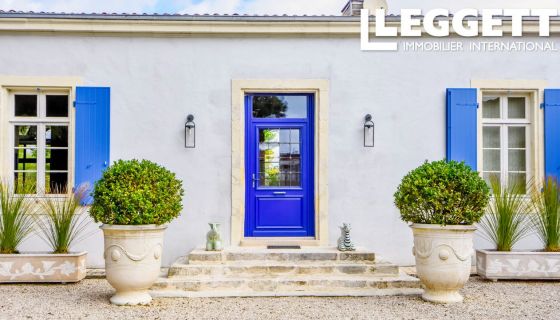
491,160
491,107
25,136
25,182
279,106
517,156
519,180
516,137
56,136
516,108
56,182
488,176
491,137
25,159
56,159
25,105
516,160
57,106
491,150
279,158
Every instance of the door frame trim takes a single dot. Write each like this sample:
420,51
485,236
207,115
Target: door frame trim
320,89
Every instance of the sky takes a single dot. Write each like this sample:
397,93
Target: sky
252,6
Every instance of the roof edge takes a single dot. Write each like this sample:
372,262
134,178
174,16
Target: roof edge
210,25
214,17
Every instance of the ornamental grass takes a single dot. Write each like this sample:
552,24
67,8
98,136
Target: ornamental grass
507,220
62,222
546,218
16,217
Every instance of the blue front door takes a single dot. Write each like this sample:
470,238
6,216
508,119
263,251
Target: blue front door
279,165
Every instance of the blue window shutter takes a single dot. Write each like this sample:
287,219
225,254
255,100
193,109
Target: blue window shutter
461,126
92,136
552,132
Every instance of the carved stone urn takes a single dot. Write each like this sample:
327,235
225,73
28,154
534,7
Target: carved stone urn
132,261
443,260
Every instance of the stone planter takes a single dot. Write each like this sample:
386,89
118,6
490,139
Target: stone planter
42,267
443,260
517,265
132,261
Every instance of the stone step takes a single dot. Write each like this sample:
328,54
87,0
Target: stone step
299,285
200,256
274,268
285,293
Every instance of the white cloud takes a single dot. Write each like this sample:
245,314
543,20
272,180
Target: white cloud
213,6
395,6
119,6
298,7
332,7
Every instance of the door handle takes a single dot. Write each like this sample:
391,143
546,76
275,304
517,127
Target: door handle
254,179
279,193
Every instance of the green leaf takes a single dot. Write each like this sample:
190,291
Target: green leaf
133,192
441,192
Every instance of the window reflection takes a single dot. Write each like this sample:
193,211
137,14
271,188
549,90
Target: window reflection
25,105
280,106
25,136
279,158
57,106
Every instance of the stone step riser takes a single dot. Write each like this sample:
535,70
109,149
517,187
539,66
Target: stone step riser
285,285
345,292
296,256
261,272
194,270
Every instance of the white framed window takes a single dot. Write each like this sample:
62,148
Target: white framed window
39,134
507,142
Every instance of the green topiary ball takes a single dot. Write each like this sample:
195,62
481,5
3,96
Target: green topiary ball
441,192
133,192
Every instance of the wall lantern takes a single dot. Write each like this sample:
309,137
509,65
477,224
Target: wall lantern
369,132
190,132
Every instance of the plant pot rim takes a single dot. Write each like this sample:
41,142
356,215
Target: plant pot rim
43,254
133,227
469,227
519,252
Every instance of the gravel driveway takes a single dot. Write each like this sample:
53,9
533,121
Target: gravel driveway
89,300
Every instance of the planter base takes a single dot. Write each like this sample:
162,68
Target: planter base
443,260
132,261
131,298
442,296
42,267
518,265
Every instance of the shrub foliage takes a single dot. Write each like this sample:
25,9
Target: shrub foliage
440,192
133,192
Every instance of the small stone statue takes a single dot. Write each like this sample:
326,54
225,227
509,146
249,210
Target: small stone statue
344,242
213,238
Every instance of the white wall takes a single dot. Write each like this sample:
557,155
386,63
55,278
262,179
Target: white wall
156,82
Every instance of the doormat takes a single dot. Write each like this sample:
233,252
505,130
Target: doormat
283,247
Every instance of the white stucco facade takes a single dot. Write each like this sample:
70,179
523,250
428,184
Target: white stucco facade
156,81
